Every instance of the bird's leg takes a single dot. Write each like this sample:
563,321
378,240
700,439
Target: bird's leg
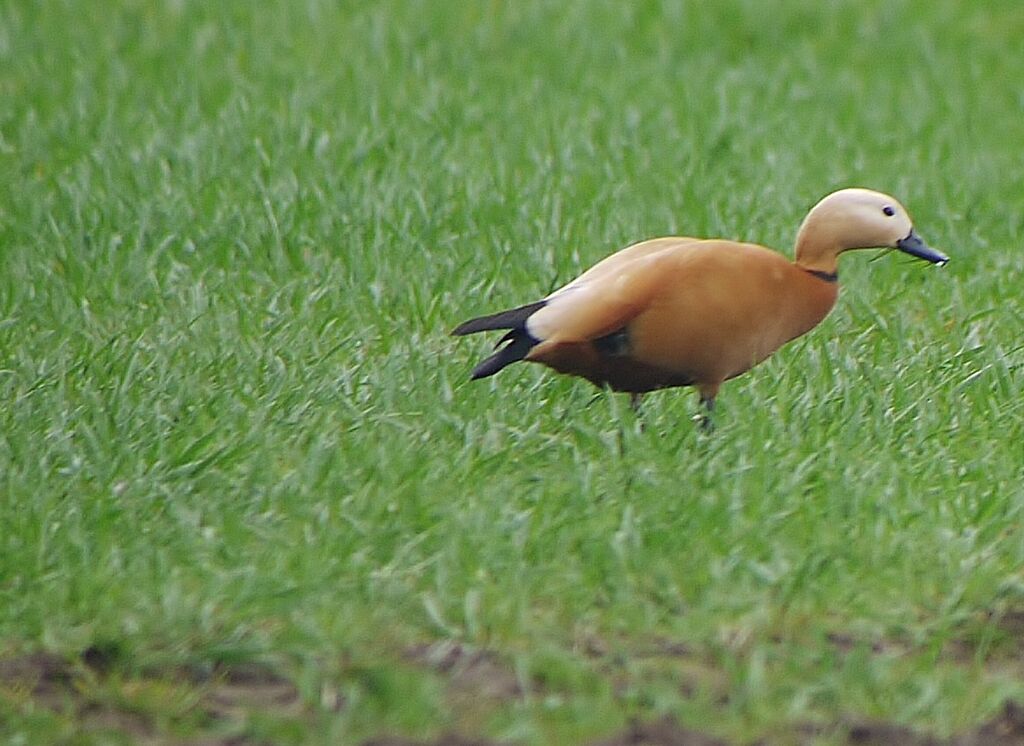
707,402
634,404
707,425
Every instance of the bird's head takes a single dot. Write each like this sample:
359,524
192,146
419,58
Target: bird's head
858,219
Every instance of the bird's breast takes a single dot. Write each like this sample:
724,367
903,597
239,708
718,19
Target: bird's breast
720,328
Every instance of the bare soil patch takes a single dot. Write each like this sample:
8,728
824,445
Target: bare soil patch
664,732
225,696
45,677
1004,729
80,688
887,734
448,739
468,671
242,689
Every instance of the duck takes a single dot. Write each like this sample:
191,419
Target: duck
680,311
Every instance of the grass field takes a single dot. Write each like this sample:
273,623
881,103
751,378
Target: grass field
247,491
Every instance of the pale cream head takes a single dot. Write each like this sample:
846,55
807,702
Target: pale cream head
857,219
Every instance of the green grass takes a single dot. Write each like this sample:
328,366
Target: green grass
233,428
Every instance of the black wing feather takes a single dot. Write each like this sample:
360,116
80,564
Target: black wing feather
514,318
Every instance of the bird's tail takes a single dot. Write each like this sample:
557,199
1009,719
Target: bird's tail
514,318
519,340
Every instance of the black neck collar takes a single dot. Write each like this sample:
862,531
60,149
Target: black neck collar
826,276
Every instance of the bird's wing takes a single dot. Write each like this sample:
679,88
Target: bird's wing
599,303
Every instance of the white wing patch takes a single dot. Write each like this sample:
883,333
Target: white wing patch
544,324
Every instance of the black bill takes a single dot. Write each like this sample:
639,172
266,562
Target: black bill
914,246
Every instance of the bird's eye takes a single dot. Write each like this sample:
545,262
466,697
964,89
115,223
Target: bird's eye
889,210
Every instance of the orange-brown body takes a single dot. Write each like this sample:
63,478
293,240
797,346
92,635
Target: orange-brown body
741,303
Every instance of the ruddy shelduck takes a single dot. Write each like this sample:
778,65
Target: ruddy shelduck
696,312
